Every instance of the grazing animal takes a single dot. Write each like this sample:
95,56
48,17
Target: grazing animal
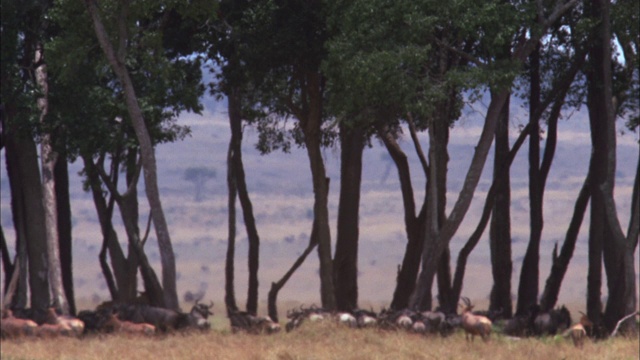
578,332
347,319
243,321
197,318
114,324
552,322
474,324
298,316
365,318
12,327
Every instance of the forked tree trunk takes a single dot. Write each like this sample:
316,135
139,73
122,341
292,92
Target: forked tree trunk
117,63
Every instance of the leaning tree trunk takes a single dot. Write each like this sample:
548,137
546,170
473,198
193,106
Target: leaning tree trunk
484,218
500,229
229,267
272,301
117,63
345,262
559,264
118,278
433,250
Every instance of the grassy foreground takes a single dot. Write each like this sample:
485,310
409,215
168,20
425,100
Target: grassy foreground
313,341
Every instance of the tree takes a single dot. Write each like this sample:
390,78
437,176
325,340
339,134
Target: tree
199,176
282,46
22,33
117,61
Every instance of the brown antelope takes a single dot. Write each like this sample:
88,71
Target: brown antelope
76,325
577,332
12,327
116,325
474,324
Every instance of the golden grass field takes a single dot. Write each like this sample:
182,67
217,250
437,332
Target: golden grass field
314,341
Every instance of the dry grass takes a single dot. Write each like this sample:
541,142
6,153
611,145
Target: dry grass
313,341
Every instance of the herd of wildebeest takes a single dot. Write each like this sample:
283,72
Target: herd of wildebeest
143,319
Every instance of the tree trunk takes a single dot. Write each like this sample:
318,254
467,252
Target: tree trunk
272,301
235,120
63,205
630,297
312,131
18,212
530,272
345,262
118,279
414,225
484,218
560,263
441,156
49,158
31,223
433,249
117,63
500,229
229,270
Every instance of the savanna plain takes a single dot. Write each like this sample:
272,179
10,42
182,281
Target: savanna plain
314,341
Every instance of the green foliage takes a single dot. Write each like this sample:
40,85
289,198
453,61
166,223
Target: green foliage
395,57
87,98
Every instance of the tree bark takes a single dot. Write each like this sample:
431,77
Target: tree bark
414,225
118,279
345,262
235,120
500,229
117,63
49,158
229,270
272,301
530,272
484,218
63,207
311,125
433,249
560,263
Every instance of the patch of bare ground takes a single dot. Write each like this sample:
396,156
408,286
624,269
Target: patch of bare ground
314,341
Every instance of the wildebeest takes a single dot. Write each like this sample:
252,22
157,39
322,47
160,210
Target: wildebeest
12,327
298,316
474,324
552,322
166,319
243,321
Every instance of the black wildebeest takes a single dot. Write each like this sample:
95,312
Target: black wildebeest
552,322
